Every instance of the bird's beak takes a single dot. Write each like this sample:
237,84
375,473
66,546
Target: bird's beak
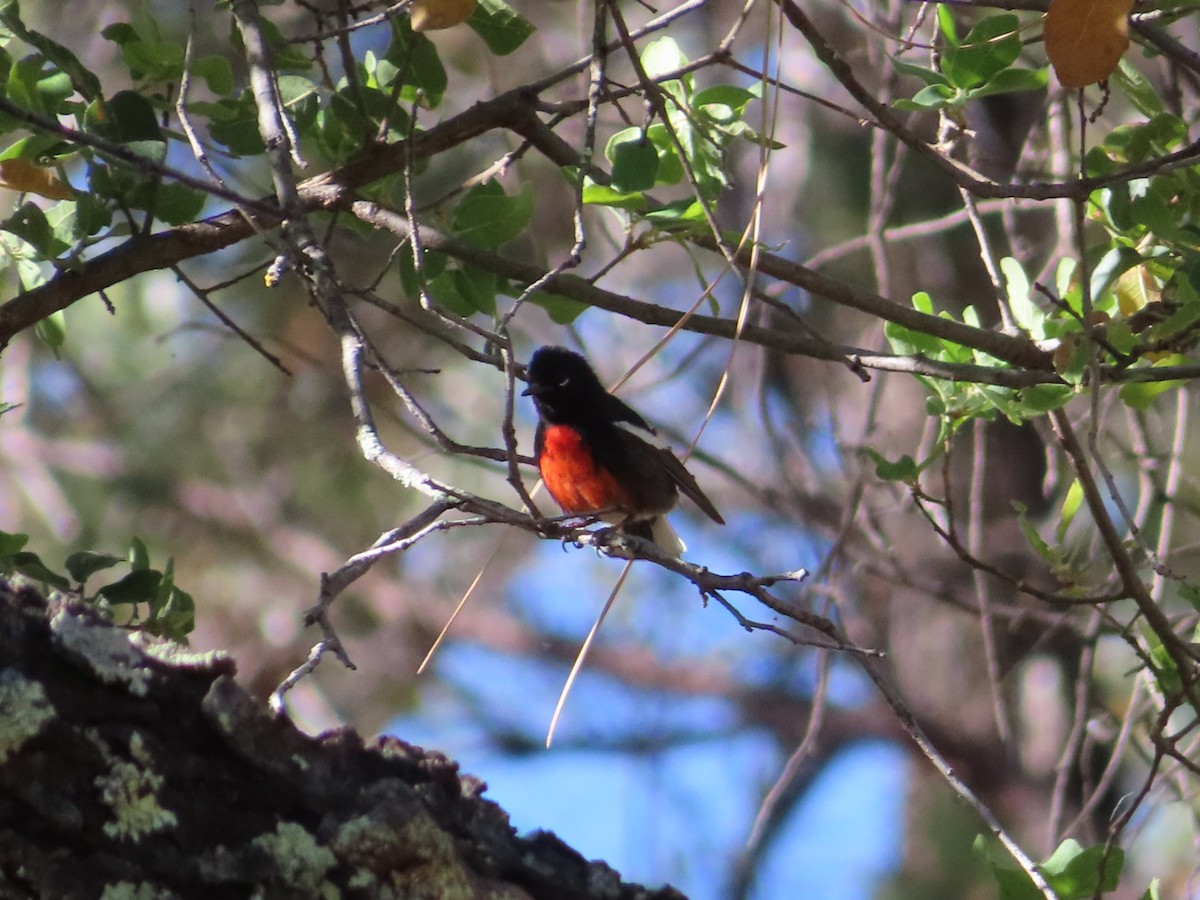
531,391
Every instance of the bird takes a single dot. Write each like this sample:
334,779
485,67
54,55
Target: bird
597,456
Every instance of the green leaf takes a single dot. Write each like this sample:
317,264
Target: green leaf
904,469
30,224
502,28
477,287
1012,80
139,557
1014,884
1138,88
233,124
1038,399
120,33
1070,506
1140,395
1025,312
1108,269
25,258
934,96
301,99
85,563
417,57
31,85
489,217
444,289
52,331
177,204
92,215
153,60
1076,873
908,342
562,310
1039,545
216,72
681,215
432,265
929,76
284,55
31,566
126,117
603,195
1073,873
168,201
736,98
945,18
635,164
139,586
1166,673
11,543
80,76
663,57
1152,892
670,168
162,594
990,47
177,617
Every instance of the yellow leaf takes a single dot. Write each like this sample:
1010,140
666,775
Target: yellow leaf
432,15
22,175
1135,288
1085,39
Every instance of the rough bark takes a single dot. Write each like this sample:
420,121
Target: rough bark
130,768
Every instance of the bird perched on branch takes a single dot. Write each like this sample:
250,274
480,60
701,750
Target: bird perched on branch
596,455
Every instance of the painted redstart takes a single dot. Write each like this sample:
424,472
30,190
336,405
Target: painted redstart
596,455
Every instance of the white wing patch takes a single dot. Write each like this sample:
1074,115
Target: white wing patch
650,437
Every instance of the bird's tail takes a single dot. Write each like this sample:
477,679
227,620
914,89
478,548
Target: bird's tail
658,530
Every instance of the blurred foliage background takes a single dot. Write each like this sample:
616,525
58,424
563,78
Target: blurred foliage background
936,515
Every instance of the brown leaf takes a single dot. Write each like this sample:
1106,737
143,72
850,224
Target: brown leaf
1085,39
432,15
22,175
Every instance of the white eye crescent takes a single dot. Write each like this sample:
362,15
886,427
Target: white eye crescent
564,382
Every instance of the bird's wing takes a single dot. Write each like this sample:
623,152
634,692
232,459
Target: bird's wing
630,422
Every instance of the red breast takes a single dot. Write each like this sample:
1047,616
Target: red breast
572,477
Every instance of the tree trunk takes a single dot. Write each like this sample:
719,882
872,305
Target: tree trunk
130,768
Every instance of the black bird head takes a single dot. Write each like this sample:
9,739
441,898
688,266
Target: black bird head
562,384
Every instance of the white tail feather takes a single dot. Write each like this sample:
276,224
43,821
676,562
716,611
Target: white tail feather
666,537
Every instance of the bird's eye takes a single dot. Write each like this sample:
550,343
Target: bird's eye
564,382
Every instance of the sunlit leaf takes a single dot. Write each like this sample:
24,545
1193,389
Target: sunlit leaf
662,57
990,47
1078,873
434,15
1070,506
22,175
1140,394
81,77
1085,39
